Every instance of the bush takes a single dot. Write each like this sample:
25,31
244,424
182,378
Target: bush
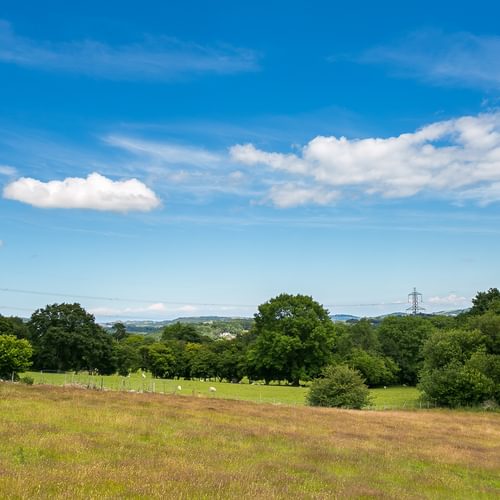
340,387
458,371
456,385
15,356
27,380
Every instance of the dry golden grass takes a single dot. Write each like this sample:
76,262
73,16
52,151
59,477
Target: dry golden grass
73,443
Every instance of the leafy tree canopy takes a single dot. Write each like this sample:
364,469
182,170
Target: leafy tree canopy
185,332
485,301
402,338
457,370
13,326
66,337
15,356
293,339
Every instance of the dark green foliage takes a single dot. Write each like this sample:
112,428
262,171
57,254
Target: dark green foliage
185,332
119,331
202,361
340,387
15,356
294,339
457,370
456,385
161,360
486,301
402,338
66,337
128,358
230,359
13,326
27,380
489,325
376,369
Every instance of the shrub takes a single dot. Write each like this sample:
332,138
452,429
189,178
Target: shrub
458,371
15,356
27,380
340,387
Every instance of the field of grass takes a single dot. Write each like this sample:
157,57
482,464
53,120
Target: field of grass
390,398
63,442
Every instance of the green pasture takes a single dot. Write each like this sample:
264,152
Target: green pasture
65,442
390,398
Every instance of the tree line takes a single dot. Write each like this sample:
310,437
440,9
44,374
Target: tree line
453,360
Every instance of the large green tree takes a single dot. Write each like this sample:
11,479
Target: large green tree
293,339
402,338
486,301
66,337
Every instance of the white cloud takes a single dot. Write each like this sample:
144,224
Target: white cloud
7,170
457,58
449,300
292,195
160,58
96,192
458,158
1,243
166,152
155,309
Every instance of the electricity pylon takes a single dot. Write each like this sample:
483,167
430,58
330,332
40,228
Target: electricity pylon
415,299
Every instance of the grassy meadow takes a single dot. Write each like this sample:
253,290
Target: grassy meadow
65,442
390,398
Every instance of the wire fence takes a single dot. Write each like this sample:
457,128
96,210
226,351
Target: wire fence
145,383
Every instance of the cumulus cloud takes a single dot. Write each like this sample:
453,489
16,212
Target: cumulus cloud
449,300
95,192
155,58
457,158
444,58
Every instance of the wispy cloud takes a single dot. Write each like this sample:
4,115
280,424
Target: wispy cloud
95,192
457,158
443,58
169,153
154,58
290,194
7,170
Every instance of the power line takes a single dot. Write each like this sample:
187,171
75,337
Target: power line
168,302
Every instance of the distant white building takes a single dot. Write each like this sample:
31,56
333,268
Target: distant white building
227,336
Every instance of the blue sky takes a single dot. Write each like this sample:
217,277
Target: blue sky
165,159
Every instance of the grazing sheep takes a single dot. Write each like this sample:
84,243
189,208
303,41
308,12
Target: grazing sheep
179,388
212,389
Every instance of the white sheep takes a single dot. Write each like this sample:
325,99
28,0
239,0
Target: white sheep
179,388
143,375
212,389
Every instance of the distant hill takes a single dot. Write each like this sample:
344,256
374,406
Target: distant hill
343,317
151,326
